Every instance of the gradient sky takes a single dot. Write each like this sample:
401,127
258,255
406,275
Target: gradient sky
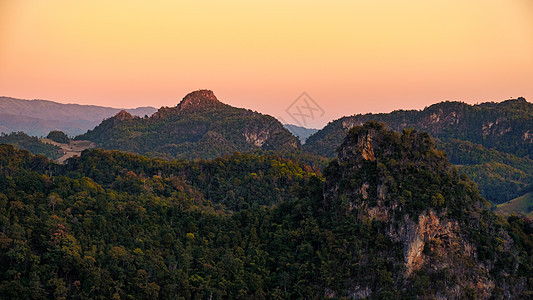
350,56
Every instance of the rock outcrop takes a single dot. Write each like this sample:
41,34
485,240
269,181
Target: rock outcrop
123,115
199,100
437,216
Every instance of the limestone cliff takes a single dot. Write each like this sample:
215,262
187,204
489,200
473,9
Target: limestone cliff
436,217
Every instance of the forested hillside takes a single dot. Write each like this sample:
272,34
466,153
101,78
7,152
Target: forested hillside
500,176
111,224
505,126
200,126
30,143
490,142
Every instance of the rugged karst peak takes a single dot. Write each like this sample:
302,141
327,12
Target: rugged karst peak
361,141
375,141
200,99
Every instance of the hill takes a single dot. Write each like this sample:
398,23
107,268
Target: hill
57,146
34,145
504,126
39,117
200,126
490,142
390,219
428,217
522,206
500,176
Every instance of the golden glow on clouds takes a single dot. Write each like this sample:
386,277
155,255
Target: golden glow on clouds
351,56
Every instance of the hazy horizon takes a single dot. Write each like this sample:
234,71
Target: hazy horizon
287,120
349,56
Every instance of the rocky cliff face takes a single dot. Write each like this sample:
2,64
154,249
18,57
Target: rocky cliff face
437,216
199,100
123,115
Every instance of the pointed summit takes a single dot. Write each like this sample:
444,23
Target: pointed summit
123,115
200,126
199,100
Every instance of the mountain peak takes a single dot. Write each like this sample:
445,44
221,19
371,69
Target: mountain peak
123,115
198,100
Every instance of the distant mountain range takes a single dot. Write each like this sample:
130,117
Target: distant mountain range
39,117
300,132
200,126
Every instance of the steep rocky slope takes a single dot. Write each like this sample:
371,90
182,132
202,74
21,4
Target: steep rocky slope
449,244
200,126
490,142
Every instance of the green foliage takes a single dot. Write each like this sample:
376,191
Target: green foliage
58,136
490,142
404,167
207,133
500,176
498,182
111,224
32,144
502,126
405,177
468,153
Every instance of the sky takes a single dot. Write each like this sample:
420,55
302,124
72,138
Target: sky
348,56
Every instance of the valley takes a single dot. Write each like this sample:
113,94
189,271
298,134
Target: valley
73,148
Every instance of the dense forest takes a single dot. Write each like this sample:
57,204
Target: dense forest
490,142
505,126
111,224
30,143
500,176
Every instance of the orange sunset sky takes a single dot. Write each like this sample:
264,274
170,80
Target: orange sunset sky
350,56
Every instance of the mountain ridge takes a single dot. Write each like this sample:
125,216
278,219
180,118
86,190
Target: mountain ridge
489,124
200,126
302,133
38,117
490,142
